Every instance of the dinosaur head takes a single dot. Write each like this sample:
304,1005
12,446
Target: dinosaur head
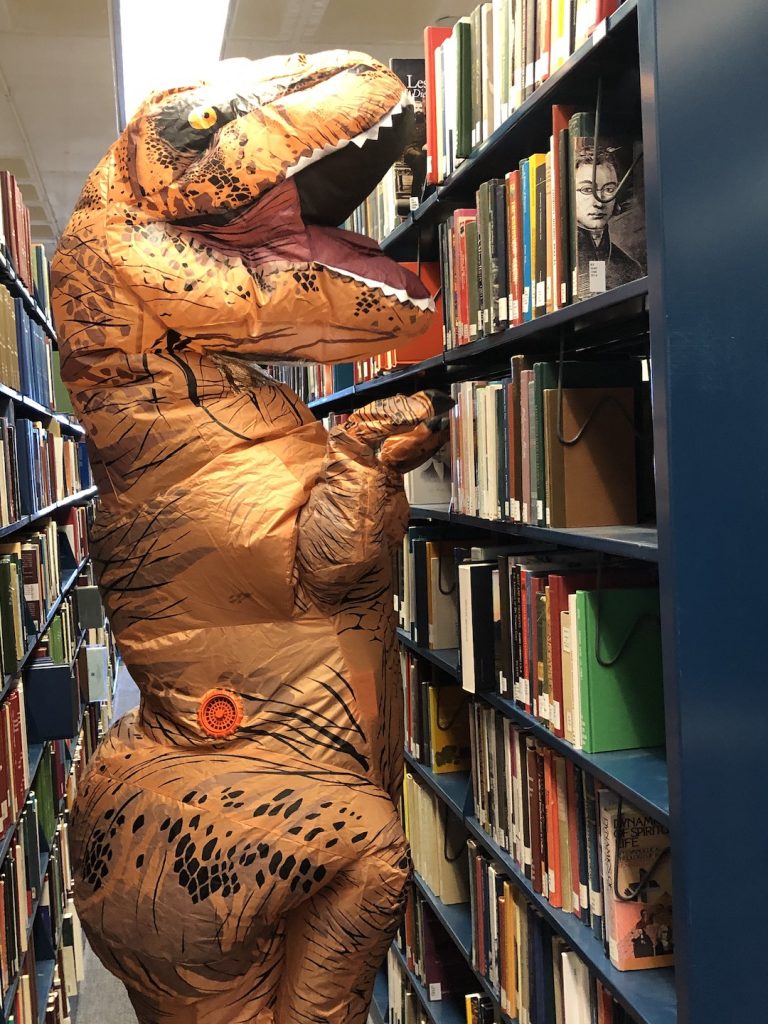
228,193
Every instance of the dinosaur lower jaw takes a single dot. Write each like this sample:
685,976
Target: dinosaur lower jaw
272,231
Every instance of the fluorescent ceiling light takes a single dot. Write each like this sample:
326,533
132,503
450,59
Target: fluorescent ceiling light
164,43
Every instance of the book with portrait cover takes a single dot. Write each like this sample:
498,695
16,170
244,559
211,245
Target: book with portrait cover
411,168
607,224
637,884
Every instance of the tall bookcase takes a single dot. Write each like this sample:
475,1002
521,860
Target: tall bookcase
65,693
701,80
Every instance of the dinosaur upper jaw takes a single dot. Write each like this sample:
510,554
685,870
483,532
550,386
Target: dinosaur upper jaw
296,221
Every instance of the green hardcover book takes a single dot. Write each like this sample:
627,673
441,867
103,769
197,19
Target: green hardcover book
43,786
463,31
621,687
484,227
476,43
56,641
8,660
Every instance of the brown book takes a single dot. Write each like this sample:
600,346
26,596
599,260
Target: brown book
591,482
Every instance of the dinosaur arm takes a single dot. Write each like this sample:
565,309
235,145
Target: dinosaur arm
357,510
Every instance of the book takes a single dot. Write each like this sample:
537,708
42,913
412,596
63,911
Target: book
637,879
411,167
434,35
607,226
589,455
620,670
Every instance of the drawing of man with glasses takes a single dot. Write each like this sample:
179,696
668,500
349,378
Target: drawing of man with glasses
602,263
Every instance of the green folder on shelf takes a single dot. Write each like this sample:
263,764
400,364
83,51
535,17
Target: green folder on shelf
621,691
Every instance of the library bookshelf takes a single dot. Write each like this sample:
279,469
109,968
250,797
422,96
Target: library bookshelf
697,316
38,952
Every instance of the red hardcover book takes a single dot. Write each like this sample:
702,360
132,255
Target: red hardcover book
460,219
431,342
589,14
534,813
434,35
6,782
543,34
18,767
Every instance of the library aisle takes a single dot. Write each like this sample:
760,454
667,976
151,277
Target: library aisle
100,988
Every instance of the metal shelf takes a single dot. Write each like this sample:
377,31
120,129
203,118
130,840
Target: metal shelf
648,995
640,776
16,286
617,315
639,542
457,922
438,1012
81,497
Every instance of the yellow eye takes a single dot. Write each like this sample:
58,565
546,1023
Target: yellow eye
202,118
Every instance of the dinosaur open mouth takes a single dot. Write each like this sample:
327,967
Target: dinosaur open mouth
297,220
332,182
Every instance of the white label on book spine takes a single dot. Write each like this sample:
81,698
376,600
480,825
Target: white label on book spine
596,903
551,879
544,706
554,713
597,275
506,509
539,509
435,991
541,293
397,603
486,317
563,293
502,308
516,510
526,299
575,282
583,896
600,32
525,512
525,690
414,202
515,306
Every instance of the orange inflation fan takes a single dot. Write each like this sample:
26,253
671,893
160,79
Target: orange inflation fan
220,713
243,552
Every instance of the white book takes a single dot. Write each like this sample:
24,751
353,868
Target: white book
576,1000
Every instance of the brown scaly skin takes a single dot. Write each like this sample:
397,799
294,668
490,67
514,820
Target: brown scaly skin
256,877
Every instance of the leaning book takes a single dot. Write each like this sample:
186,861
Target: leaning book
607,209
637,882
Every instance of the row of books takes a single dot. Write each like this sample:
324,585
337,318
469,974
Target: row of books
31,570
573,638
483,68
562,828
430,953
436,717
561,445
538,978
34,877
573,643
40,466
28,259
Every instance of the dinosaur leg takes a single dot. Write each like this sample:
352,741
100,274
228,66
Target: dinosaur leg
336,941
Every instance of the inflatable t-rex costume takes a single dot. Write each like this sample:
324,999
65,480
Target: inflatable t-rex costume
238,854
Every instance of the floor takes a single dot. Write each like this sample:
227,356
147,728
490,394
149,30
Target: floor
102,998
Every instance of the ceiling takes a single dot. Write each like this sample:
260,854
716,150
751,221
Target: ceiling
57,97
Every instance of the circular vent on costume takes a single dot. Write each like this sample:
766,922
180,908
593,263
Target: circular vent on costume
220,713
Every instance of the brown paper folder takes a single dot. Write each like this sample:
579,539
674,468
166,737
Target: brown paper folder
592,481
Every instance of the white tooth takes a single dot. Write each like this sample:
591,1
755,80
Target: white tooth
360,140
373,133
387,122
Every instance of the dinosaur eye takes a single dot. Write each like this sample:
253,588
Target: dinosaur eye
202,118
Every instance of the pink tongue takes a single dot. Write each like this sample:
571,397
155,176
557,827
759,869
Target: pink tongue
271,230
